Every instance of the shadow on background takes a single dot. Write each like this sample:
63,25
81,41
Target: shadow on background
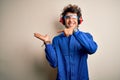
43,68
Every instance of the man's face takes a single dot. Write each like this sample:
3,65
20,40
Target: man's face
71,20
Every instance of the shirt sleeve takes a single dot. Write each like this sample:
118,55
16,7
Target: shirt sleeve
86,40
51,54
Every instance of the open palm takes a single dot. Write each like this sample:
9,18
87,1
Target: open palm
42,37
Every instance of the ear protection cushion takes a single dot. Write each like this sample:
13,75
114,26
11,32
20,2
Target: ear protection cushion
61,20
80,20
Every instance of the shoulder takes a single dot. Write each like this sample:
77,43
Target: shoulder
87,34
59,36
56,38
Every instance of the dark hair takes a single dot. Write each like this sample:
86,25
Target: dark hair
73,9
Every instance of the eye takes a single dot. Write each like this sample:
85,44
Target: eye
67,17
71,16
74,17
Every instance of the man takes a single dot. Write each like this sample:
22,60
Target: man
69,50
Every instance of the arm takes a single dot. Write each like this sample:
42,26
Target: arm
49,49
86,40
51,56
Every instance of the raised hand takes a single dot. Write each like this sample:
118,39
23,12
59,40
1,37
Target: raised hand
42,37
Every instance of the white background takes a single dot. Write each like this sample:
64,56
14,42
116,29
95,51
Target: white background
21,54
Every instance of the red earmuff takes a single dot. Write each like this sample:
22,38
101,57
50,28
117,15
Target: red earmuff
61,20
80,20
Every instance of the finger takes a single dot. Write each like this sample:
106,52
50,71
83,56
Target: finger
60,31
36,34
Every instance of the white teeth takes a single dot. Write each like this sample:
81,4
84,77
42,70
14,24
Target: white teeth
71,24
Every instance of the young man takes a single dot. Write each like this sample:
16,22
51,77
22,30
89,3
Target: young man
69,50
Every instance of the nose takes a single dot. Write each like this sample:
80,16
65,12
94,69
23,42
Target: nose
70,19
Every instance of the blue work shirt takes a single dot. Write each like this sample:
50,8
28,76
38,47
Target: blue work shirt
69,55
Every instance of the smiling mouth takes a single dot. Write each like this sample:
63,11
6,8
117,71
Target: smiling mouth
71,24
